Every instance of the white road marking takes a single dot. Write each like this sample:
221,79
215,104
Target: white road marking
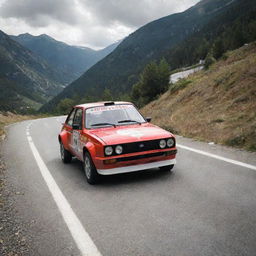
253,167
79,234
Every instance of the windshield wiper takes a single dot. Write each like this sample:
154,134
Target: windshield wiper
100,124
129,121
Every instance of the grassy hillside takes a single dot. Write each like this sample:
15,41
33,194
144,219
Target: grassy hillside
214,105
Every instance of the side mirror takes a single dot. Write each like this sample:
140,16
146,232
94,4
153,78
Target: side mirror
76,127
148,119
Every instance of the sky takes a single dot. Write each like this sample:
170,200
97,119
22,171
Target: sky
91,23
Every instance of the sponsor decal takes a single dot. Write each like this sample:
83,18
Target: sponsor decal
83,138
132,133
106,108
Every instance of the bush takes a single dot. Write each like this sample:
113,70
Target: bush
209,60
181,84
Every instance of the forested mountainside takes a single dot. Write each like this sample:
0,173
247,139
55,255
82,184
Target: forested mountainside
166,37
69,61
26,80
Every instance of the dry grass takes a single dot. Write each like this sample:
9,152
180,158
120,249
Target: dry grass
216,105
7,118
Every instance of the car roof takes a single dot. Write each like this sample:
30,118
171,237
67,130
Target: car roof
101,104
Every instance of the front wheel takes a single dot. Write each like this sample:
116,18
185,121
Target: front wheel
66,156
91,173
167,168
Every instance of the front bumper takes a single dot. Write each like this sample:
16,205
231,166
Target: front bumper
137,167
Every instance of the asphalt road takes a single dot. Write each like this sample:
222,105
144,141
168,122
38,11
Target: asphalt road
183,74
207,206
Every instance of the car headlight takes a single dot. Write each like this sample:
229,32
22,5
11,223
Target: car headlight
170,142
108,150
119,149
162,143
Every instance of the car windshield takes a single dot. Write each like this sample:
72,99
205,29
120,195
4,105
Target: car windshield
113,115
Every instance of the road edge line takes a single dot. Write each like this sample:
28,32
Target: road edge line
78,232
249,166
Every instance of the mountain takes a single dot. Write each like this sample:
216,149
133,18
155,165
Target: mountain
119,70
26,80
69,61
216,105
229,30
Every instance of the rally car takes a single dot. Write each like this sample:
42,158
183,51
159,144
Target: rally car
112,138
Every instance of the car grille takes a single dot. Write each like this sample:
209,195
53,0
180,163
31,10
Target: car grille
140,146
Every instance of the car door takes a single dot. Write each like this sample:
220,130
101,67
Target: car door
77,127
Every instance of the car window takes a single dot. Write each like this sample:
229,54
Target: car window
70,117
78,117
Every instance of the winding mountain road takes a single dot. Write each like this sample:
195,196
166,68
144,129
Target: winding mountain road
207,206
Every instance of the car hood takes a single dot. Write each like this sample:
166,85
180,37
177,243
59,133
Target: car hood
130,133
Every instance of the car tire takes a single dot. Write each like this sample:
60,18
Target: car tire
90,170
66,156
167,168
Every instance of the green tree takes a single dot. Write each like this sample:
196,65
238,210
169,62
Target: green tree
107,96
209,60
163,76
65,106
154,80
218,48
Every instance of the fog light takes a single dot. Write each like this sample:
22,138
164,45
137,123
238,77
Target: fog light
110,161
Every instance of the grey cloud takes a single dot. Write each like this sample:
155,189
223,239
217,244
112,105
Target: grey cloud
94,23
40,13
134,13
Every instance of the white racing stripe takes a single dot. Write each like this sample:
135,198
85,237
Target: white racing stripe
249,166
79,234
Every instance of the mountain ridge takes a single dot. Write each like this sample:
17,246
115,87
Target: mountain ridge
26,79
120,69
70,61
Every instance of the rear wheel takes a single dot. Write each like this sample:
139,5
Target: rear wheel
167,168
66,156
91,173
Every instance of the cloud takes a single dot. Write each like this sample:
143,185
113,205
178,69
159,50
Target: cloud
134,13
40,13
93,23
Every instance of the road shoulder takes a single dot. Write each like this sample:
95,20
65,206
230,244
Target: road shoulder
14,239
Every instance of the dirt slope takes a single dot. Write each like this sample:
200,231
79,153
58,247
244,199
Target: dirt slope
216,105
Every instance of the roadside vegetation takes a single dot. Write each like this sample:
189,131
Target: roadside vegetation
7,118
216,105
154,81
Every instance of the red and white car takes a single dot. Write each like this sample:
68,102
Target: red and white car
113,137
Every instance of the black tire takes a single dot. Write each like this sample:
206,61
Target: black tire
66,156
90,171
167,168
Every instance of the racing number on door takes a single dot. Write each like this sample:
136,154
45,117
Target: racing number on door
77,127
76,140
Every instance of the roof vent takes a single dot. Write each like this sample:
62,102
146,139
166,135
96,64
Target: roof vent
109,103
